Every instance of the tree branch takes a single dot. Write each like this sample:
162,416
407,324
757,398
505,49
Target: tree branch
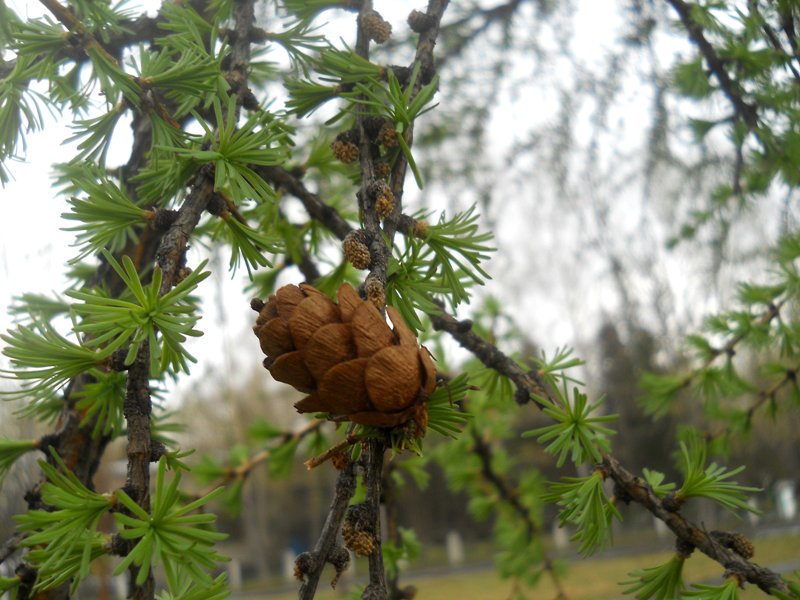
731,88
345,488
373,474
639,491
636,489
527,382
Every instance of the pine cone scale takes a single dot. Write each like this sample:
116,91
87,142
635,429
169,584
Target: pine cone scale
347,376
392,377
370,331
276,338
330,345
290,368
311,314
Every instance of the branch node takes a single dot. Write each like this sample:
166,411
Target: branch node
304,564
419,21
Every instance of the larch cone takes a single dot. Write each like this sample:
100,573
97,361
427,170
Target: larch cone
345,356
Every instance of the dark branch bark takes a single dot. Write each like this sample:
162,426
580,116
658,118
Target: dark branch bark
373,474
747,112
137,409
314,205
345,488
527,382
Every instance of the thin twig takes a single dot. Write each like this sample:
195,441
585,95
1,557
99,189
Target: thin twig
772,312
773,37
244,470
530,382
345,488
509,495
761,398
349,440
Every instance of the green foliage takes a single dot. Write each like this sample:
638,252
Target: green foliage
446,262
521,553
458,249
281,458
69,562
101,403
169,535
95,134
37,307
112,322
261,430
726,591
107,218
585,505
408,548
10,451
44,361
408,286
575,433
710,481
235,152
306,96
65,539
218,590
247,244
416,467
20,112
10,585
761,327
794,588
305,10
444,415
692,80
655,480
400,106
182,69
298,40
344,68
664,582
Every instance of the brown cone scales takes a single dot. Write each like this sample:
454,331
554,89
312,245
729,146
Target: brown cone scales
346,357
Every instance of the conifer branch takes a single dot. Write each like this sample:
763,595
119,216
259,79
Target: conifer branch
734,93
315,206
633,487
697,536
71,22
373,463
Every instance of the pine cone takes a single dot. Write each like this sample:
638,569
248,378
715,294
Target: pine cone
345,357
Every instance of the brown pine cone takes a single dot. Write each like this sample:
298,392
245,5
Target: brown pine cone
345,357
